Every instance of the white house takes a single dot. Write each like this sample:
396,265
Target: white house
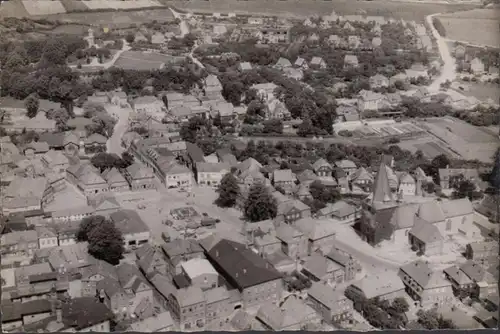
210,174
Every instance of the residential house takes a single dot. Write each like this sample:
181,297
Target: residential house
119,98
477,66
86,178
360,181
293,314
348,166
301,63
35,149
351,61
27,195
244,66
426,286
348,264
276,109
137,290
334,41
384,285
320,233
341,211
47,237
134,230
95,143
158,38
104,204
254,278
379,81
480,251
292,210
56,161
353,41
447,174
323,168
400,77
116,181
459,51
180,250
347,26
148,104
369,101
317,63
408,185
98,98
332,305
293,241
38,124
319,268
284,179
211,174
416,71
15,315
282,63
212,87
23,243
162,322
200,273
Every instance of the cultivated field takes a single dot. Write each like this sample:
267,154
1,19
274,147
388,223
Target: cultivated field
408,10
468,141
479,27
136,60
481,91
114,19
430,147
43,7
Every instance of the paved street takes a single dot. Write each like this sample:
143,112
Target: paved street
114,143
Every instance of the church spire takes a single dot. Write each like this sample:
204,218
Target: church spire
381,189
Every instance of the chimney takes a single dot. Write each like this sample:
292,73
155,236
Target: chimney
244,271
216,253
236,275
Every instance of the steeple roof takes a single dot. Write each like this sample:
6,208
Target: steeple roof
382,190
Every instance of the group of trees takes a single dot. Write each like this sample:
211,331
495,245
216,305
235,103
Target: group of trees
201,132
104,239
103,161
321,196
381,313
260,204
464,188
228,191
432,320
102,122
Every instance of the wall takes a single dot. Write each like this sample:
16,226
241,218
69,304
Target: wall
29,319
135,237
218,310
48,242
101,327
441,296
179,180
256,295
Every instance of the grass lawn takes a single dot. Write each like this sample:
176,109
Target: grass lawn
141,61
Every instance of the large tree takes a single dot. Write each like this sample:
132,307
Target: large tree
228,190
260,204
86,225
106,242
32,104
104,160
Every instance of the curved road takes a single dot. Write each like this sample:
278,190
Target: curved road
448,71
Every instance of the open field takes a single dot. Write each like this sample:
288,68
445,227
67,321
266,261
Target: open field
70,29
113,4
43,7
468,141
481,91
114,19
478,26
408,10
430,147
137,60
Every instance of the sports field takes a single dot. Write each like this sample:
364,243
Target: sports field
136,60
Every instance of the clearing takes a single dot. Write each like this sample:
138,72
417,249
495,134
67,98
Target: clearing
408,10
469,141
137,60
478,26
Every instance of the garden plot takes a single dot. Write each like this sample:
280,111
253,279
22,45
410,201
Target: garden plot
136,60
43,7
184,213
96,4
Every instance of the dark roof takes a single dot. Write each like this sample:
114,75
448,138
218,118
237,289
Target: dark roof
240,265
194,152
53,139
43,277
84,312
15,311
180,281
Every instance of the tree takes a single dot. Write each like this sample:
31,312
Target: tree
106,242
322,193
273,126
428,319
104,160
439,162
400,305
86,225
260,204
228,190
130,38
127,159
465,188
495,172
32,104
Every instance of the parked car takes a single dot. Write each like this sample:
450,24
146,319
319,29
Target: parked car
168,222
166,237
208,222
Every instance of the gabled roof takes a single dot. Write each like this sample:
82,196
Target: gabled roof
425,231
129,221
457,207
138,171
242,266
345,164
283,62
112,175
320,163
326,295
431,212
424,275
